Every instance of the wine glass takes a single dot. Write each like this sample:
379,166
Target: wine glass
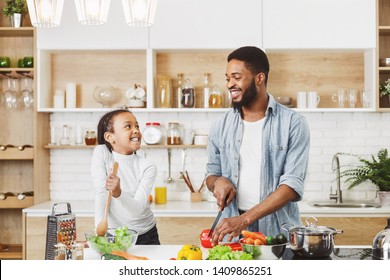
10,98
26,94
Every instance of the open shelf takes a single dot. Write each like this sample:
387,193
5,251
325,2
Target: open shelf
16,73
11,252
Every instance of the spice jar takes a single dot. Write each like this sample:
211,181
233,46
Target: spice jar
77,251
90,137
60,251
173,134
152,134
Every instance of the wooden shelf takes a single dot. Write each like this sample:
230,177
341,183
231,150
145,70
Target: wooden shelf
16,32
16,73
15,154
143,147
13,202
11,251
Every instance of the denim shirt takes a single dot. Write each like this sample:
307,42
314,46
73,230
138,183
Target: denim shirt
285,146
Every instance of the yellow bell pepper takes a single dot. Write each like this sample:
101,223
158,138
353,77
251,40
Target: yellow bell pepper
190,252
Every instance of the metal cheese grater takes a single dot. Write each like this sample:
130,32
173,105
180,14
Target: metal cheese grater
61,228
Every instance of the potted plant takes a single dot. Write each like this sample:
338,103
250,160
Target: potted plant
384,91
15,9
376,170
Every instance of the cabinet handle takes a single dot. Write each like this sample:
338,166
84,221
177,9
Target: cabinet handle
21,148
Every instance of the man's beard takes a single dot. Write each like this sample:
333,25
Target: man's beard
247,97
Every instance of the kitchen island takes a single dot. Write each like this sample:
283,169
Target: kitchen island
165,252
180,222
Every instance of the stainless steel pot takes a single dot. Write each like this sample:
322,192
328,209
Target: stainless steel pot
381,244
311,241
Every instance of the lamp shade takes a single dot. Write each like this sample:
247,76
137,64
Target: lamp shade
92,12
45,13
139,13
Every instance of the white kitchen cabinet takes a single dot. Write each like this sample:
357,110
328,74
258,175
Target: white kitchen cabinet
319,24
71,34
190,24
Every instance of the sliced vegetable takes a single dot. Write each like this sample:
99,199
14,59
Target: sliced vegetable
190,252
205,239
236,246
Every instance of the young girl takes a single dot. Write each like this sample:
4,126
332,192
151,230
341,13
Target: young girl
119,138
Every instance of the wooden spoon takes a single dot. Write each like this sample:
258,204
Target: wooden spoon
102,227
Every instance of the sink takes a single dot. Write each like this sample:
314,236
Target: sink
349,204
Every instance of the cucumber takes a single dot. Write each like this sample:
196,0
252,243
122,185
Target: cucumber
112,257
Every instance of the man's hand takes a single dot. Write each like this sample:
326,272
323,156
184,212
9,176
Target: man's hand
232,226
224,192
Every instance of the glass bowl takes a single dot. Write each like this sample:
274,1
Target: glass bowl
106,96
116,239
264,252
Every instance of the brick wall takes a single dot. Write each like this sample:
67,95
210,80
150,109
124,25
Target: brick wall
359,133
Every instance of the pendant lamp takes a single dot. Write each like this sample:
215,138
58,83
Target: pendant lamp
45,13
139,13
92,12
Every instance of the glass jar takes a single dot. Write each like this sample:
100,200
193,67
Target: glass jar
179,89
77,251
206,90
90,137
152,134
165,96
188,95
60,251
173,134
216,99
65,139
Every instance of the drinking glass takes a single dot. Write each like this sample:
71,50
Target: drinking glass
10,90
365,98
339,97
26,94
352,98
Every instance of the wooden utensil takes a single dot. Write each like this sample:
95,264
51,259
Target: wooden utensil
102,227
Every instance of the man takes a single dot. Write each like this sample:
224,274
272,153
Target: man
257,153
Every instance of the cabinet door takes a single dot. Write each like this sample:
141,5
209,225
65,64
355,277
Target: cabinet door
319,24
114,34
193,24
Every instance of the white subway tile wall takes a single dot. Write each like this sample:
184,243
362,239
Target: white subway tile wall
347,132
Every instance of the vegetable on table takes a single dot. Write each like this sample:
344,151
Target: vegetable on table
205,238
127,256
190,252
254,237
224,252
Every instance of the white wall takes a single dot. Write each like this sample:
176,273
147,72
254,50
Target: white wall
361,133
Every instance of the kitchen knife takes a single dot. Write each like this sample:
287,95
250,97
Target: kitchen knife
215,222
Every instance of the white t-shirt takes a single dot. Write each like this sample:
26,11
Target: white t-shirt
137,176
250,165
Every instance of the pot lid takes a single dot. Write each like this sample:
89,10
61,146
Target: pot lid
312,228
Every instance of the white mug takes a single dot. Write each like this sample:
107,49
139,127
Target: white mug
301,99
313,99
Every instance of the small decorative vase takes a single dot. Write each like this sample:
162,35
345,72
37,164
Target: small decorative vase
16,20
384,198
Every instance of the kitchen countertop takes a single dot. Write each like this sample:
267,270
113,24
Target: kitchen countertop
205,209
165,252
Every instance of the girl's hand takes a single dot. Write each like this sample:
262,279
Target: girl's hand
113,185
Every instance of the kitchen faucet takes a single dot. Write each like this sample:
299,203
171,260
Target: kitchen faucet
338,196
